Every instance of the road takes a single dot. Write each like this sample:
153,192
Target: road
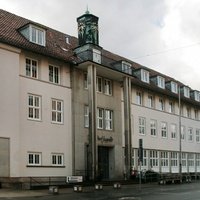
189,191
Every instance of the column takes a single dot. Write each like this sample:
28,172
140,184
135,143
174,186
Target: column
127,126
92,148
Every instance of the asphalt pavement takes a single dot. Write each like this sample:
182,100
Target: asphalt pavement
185,191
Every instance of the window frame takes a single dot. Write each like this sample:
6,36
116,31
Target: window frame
161,104
153,127
163,129
173,129
56,111
57,159
100,119
34,107
174,87
34,159
161,82
86,116
108,119
99,87
190,134
198,135
142,125
139,98
108,90
38,31
31,75
54,76
145,76
186,92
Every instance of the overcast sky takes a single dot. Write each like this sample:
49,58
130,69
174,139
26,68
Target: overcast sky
160,34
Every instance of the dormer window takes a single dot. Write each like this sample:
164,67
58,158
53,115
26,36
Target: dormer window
97,56
126,67
145,76
186,92
34,34
161,82
196,95
174,87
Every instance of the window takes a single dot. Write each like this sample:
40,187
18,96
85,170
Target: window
196,96
198,160
34,34
153,158
173,131
99,84
31,68
141,125
107,87
97,56
171,107
100,118
190,159
153,126
126,67
183,132
188,112
197,135
190,134
161,82
184,160
86,116
54,74
196,114
57,159
104,119
174,159
139,98
144,162
163,129
108,119
186,91
174,87
144,76
57,111
34,158
150,101
85,81
164,158
161,105
34,107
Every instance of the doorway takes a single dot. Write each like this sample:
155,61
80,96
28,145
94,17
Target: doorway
103,162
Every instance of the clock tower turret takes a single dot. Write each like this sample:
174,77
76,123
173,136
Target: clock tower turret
88,29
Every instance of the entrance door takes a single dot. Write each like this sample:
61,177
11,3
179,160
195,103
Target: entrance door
4,157
103,162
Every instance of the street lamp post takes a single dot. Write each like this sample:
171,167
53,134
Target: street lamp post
180,137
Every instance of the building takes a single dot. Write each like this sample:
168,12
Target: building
70,107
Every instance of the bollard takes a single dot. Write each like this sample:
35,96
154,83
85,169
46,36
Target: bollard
78,188
98,187
53,190
116,185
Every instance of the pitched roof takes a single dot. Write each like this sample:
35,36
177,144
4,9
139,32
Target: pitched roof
56,45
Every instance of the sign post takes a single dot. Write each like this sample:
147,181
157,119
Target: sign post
140,160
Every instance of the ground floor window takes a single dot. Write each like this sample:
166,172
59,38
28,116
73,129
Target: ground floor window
153,158
34,158
57,159
164,158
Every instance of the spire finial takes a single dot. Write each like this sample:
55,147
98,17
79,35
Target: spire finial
87,11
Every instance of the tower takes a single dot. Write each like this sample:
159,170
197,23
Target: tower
88,29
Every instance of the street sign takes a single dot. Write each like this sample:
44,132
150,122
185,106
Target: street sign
74,179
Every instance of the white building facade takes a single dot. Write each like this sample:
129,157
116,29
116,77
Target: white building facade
69,107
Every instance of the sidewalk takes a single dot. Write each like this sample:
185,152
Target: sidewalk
10,193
